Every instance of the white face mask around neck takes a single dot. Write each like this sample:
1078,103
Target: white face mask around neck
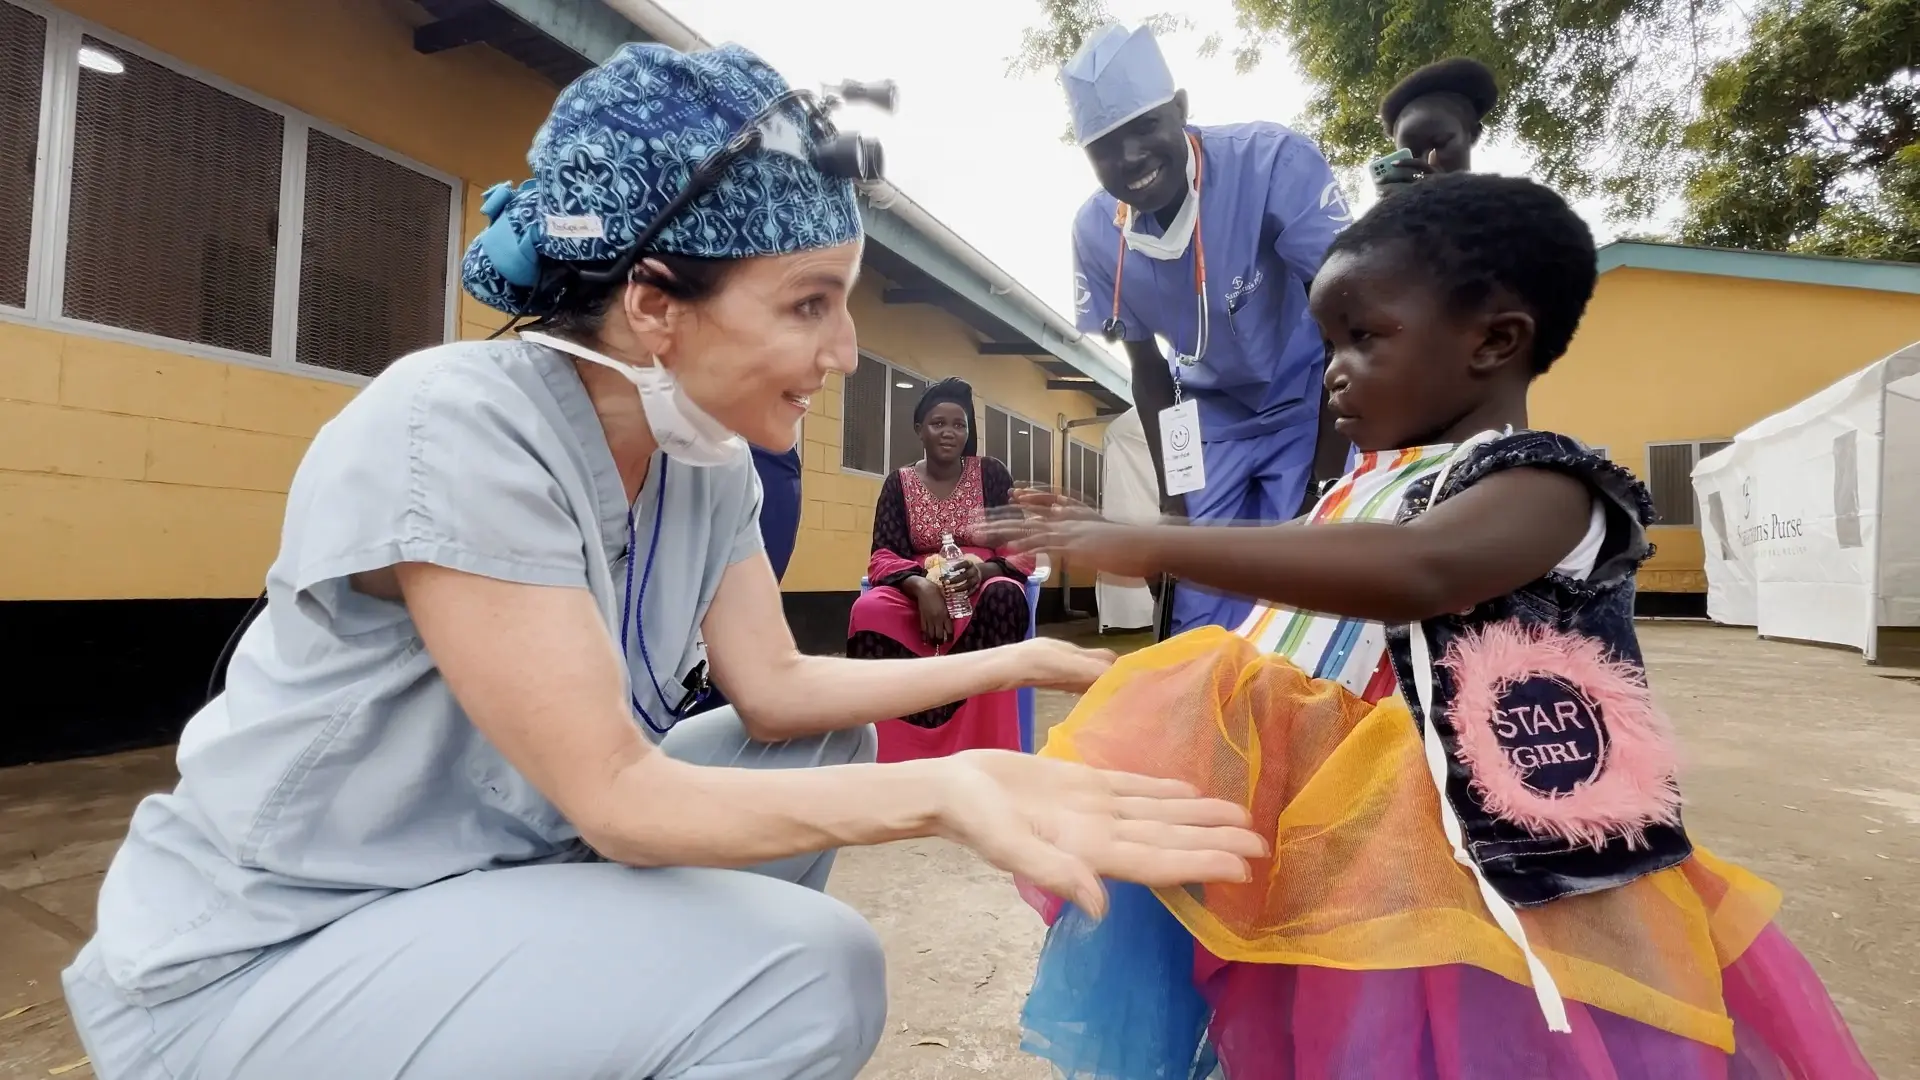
683,429
1172,243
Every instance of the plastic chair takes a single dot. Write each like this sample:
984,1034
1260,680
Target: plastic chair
1025,694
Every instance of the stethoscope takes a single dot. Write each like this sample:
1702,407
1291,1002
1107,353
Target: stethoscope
1115,329
696,684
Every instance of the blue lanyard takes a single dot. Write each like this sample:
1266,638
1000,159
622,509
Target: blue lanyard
630,605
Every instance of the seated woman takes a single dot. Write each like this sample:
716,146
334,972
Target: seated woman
905,611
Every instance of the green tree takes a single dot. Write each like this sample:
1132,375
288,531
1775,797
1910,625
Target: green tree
1809,140
1586,84
1791,126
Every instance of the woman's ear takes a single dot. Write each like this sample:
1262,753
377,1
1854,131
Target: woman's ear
1506,343
649,313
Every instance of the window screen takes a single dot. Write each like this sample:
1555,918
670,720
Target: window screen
173,216
1042,457
1670,477
998,427
1020,451
903,444
373,259
22,58
863,418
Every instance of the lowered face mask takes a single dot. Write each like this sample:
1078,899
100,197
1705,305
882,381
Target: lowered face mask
685,432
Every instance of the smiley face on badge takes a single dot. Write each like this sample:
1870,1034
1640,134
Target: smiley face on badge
1180,438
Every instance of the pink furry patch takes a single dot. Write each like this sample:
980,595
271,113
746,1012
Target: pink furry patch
1561,739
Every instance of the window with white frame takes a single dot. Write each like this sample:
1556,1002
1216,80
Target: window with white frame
169,205
1670,478
876,417
1023,446
1083,472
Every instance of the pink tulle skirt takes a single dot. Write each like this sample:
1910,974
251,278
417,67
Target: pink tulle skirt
1134,998
1461,1023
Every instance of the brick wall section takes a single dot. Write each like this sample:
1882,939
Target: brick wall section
134,472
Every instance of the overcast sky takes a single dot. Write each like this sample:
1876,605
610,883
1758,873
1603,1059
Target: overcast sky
980,149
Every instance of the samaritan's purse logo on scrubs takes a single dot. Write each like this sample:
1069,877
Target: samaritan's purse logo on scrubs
1560,738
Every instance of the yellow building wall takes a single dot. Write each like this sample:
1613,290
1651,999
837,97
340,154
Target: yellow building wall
134,472
1668,357
836,516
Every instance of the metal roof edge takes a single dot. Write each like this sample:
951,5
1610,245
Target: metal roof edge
896,220
889,223
595,31
1873,274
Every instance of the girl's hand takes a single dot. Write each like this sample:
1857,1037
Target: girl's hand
1065,826
1060,528
1056,665
936,626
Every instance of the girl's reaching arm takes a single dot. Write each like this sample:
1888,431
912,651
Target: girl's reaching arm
1491,539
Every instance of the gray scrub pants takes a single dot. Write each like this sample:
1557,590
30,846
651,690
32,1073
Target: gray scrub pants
555,972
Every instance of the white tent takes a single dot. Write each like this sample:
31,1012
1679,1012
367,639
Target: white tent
1127,494
1811,518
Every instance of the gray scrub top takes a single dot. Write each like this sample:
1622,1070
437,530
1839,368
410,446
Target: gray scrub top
337,766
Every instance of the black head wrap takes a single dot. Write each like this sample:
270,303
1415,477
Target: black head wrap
1468,80
960,392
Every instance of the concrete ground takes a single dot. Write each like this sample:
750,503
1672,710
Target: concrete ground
1803,765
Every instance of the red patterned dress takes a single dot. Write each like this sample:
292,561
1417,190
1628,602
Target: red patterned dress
908,523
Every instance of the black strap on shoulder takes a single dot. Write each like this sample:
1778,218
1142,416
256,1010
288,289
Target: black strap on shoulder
217,681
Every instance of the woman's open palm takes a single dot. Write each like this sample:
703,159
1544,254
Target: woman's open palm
1065,826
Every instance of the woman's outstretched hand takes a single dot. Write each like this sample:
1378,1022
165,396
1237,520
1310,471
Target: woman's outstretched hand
1065,826
1056,665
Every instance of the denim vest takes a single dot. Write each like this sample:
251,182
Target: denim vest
1559,767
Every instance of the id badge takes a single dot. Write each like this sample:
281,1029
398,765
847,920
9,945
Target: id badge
1184,465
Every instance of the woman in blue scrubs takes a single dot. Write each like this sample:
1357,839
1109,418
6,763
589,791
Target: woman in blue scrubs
446,820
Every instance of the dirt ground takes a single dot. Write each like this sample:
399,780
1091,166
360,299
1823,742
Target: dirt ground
1803,765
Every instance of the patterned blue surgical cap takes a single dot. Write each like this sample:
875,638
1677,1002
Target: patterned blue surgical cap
621,142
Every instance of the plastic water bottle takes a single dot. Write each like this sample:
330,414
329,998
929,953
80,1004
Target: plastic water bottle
958,606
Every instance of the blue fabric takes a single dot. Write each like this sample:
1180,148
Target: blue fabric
1269,206
1247,479
779,505
621,142
1115,999
1262,479
779,527
1117,75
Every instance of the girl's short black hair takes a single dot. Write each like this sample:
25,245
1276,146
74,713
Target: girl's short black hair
1476,234
1469,79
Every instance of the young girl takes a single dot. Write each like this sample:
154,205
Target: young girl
1442,724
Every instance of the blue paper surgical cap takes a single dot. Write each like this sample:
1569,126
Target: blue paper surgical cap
621,142
1116,76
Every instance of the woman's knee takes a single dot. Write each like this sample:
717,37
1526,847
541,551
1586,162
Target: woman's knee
719,738
820,1000
1006,600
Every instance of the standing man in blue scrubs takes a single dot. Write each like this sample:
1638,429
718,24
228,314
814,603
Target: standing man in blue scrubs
1197,255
